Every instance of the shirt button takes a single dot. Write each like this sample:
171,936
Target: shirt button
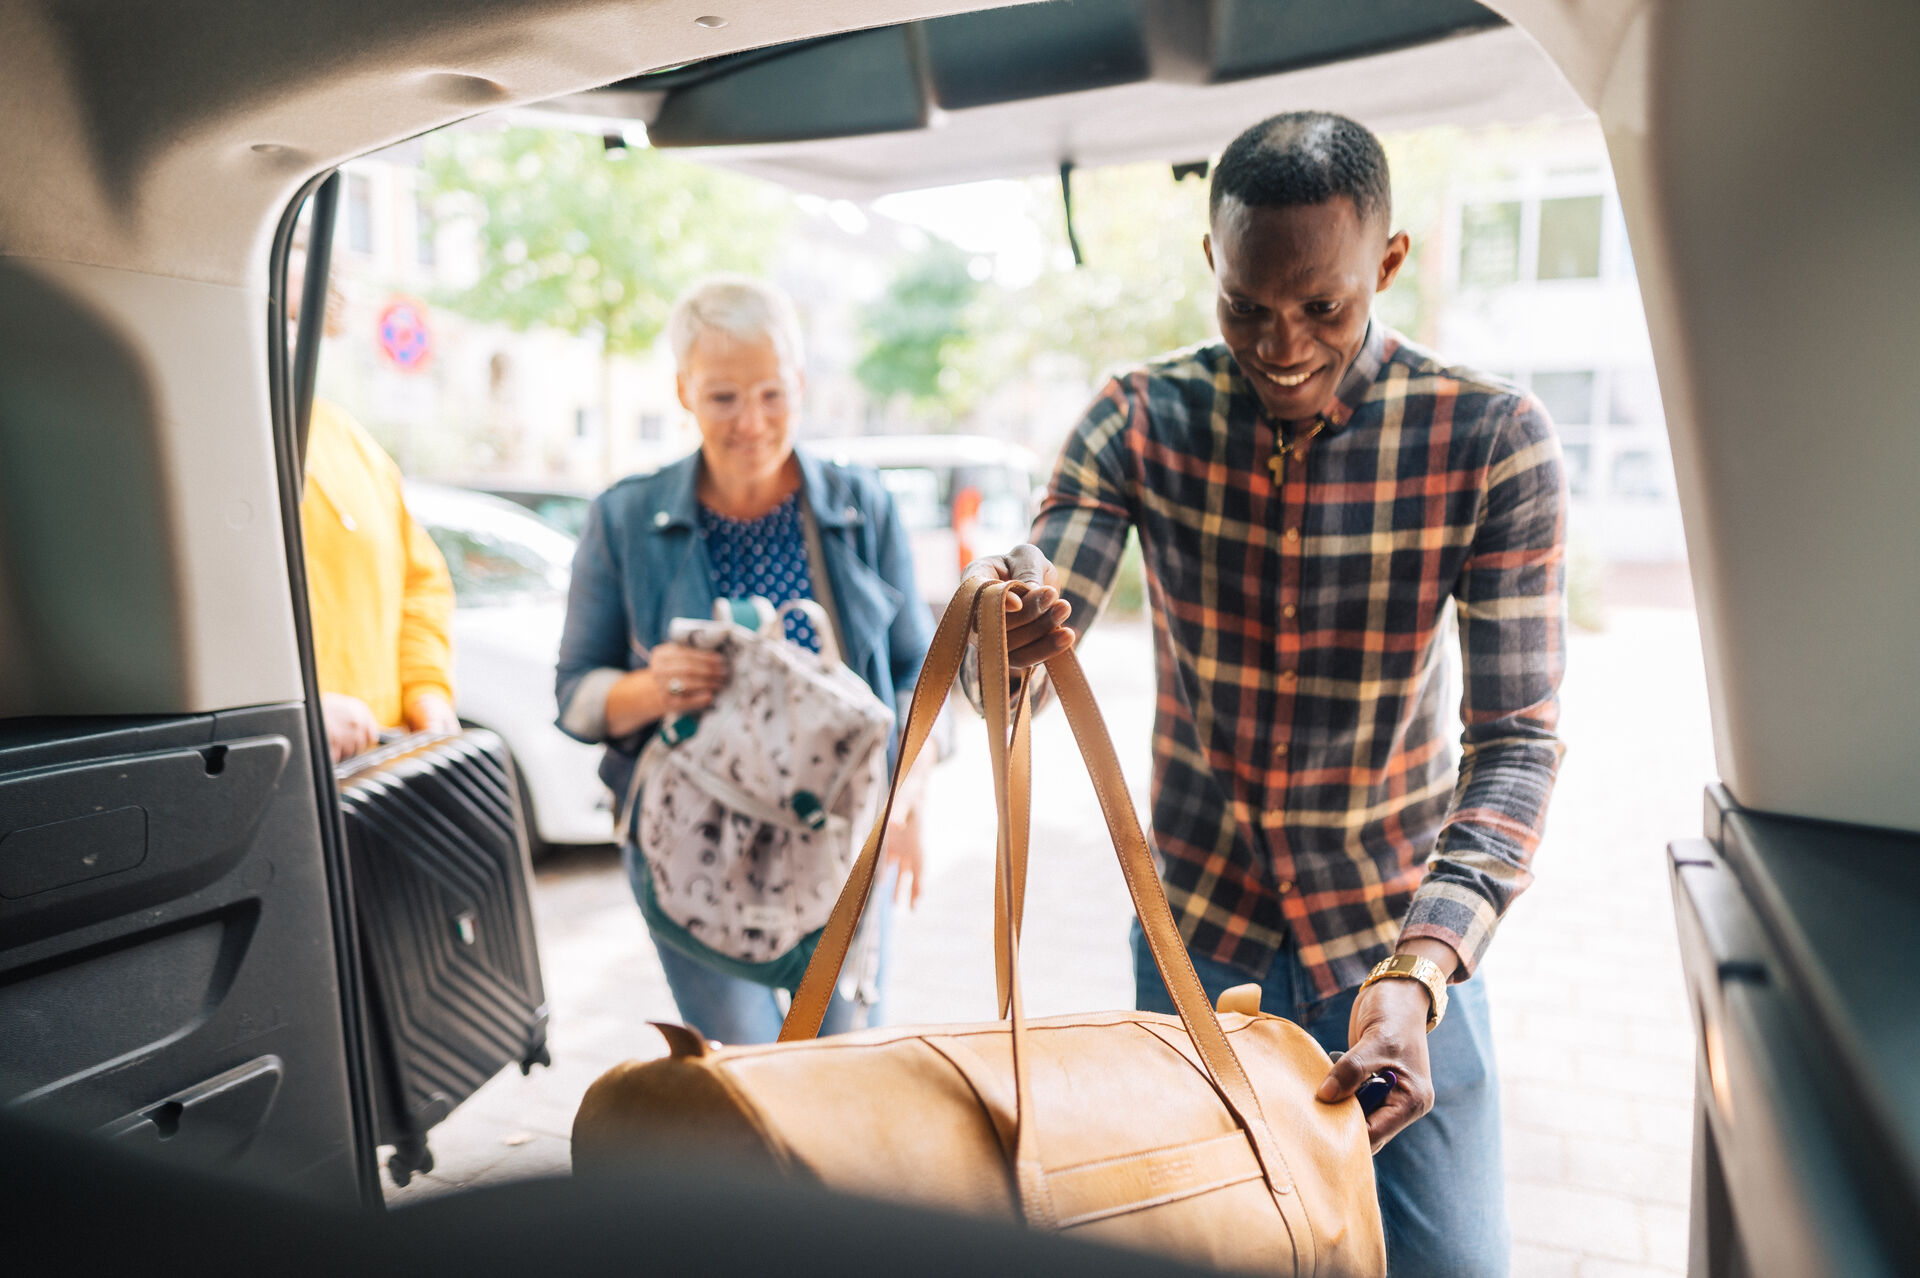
1293,536
1280,751
660,518
1289,610
1287,677
1284,886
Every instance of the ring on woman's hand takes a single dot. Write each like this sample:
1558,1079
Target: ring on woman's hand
675,688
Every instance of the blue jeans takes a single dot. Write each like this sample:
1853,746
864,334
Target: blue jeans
1442,1186
732,1009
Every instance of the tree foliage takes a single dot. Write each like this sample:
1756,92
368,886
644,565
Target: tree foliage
919,333
585,240
1144,287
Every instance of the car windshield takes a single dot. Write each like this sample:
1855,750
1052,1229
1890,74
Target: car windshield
494,552
916,495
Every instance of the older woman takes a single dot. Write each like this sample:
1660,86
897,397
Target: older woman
746,515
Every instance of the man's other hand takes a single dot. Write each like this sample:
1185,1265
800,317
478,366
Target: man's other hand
1036,614
431,712
1388,1030
351,726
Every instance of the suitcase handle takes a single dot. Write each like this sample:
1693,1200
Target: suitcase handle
984,601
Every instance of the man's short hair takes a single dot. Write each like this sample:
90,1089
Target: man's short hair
1304,157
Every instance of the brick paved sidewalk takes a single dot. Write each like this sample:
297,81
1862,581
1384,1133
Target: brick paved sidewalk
1590,1021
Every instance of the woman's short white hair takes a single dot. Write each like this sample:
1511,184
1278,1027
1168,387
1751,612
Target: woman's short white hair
739,306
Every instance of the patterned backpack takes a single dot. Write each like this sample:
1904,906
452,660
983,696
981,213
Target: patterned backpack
751,813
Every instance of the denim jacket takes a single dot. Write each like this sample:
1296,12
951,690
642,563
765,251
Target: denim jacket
643,561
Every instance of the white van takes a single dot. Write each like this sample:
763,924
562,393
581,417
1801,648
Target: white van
960,496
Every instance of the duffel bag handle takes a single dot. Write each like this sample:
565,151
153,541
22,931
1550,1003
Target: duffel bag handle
985,599
1223,1067
937,673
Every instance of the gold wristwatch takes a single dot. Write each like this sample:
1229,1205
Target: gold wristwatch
1411,967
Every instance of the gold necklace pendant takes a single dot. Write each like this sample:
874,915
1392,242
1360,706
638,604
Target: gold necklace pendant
1284,448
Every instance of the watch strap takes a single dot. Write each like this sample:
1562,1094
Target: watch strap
1413,967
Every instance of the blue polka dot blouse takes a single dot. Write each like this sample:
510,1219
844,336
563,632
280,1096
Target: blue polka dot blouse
765,556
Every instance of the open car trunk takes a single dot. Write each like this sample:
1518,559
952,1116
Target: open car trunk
174,935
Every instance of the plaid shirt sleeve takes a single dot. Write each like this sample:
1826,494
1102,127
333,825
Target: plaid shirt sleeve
1511,606
1083,523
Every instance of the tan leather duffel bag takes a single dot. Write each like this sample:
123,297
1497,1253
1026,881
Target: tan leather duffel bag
1197,1136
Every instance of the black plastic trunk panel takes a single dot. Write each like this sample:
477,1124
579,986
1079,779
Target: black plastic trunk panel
167,967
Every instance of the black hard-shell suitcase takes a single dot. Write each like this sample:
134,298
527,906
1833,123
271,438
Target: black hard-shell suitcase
440,889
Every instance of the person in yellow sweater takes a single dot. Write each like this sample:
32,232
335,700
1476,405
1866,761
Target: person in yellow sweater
381,599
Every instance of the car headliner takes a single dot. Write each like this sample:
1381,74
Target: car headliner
1762,150
1011,93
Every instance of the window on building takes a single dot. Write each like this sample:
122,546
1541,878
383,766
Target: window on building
652,426
424,229
1490,244
1578,459
1568,395
582,423
1636,474
1633,398
1570,238
359,195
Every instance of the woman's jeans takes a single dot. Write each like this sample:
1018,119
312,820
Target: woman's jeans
731,1009
1442,1186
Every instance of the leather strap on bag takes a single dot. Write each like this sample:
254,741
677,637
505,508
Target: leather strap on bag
1030,1176
1170,952
984,600
1008,906
937,674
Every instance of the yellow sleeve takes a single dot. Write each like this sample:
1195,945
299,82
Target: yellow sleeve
426,617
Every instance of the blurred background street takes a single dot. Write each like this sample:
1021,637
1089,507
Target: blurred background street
1594,1045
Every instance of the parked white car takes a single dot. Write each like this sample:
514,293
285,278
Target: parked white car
510,572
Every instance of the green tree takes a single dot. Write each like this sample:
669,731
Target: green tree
589,241
1144,287
920,333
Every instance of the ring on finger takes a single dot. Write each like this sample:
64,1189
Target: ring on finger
676,687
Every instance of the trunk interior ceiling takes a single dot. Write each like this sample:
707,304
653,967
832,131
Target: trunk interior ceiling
150,150
1138,103
967,60
1759,147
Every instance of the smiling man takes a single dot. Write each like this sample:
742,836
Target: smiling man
1315,498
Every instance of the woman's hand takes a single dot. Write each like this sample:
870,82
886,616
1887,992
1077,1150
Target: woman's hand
904,857
431,712
351,726
903,850
679,679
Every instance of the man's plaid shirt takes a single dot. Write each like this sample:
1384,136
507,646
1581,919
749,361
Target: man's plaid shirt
1303,785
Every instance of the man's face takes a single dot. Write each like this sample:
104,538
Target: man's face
1295,286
